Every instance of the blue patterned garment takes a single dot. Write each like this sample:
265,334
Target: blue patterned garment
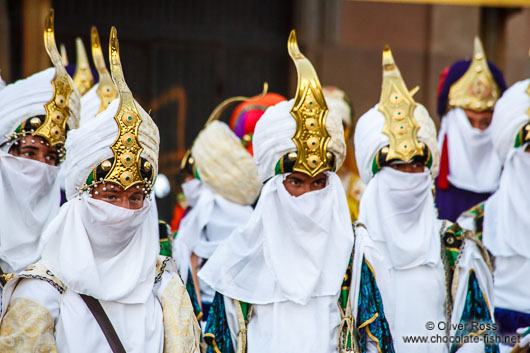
476,318
371,320
190,288
217,332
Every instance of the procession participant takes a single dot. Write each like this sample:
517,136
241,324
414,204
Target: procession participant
502,221
100,286
35,115
227,184
337,100
278,278
469,168
427,270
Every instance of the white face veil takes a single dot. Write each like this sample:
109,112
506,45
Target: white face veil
30,189
292,248
96,248
473,163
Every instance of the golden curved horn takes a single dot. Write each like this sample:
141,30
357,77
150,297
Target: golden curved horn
310,111
83,78
106,90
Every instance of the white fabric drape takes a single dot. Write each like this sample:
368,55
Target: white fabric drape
292,248
506,221
102,250
398,209
29,199
192,190
473,163
210,222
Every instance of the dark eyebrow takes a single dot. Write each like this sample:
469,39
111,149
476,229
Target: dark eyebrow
114,191
29,147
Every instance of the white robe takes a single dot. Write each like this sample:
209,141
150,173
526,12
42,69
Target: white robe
412,297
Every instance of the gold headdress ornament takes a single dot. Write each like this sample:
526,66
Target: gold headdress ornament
83,79
397,105
106,91
215,115
64,54
57,111
310,111
127,167
476,89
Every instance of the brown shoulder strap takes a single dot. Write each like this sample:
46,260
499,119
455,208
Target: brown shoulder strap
104,323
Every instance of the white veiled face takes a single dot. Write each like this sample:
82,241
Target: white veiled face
35,148
132,198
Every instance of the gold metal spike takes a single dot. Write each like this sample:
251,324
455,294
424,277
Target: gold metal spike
83,79
57,111
216,114
64,55
476,89
397,105
106,91
125,170
310,111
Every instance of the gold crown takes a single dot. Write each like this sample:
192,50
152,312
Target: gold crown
310,111
126,167
476,89
397,105
53,128
106,91
83,79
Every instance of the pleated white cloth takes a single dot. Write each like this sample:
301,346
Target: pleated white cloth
288,250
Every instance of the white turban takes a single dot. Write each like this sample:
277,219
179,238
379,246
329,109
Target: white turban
26,98
369,139
336,101
90,104
88,147
224,165
509,117
273,137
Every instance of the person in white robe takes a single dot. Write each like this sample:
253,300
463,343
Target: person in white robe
35,116
469,168
431,275
222,186
502,221
278,278
101,250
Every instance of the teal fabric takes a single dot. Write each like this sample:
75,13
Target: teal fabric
217,332
370,303
476,317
